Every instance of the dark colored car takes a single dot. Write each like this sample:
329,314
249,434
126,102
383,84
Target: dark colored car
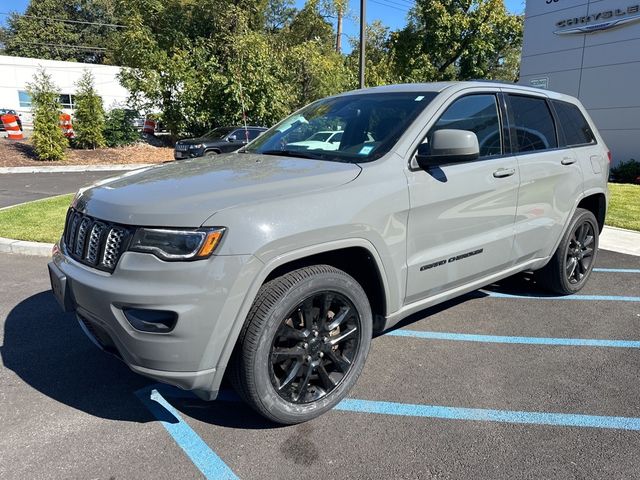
218,140
4,111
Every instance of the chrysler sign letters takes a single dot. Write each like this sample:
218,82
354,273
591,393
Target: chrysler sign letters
596,22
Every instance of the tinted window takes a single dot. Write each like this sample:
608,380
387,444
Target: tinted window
575,127
253,134
534,125
241,135
478,114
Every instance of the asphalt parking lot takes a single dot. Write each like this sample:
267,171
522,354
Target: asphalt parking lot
24,187
502,383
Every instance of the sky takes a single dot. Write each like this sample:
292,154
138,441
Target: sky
392,13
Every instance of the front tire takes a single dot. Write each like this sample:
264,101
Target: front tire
303,345
571,265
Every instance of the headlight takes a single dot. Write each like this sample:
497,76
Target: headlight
170,244
194,147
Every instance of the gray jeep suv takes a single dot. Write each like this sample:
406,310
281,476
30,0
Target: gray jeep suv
274,265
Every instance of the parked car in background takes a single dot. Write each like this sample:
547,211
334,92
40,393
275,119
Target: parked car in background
325,140
4,111
218,140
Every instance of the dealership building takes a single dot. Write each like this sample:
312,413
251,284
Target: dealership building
17,72
591,50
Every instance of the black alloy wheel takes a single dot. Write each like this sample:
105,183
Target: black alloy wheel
314,347
303,344
580,252
570,266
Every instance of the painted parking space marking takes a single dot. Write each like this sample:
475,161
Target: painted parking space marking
205,459
466,337
617,270
606,298
485,415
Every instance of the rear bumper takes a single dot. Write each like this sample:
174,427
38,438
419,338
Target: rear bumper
206,295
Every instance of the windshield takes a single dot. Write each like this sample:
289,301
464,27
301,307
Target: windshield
369,125
219,132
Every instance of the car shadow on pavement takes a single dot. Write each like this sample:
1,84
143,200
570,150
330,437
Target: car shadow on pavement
48,350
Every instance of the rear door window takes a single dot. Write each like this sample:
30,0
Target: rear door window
533,123
478,114
575,127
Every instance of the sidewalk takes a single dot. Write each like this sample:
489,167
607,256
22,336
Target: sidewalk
620,240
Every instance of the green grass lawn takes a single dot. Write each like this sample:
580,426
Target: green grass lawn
624,206
38,221
43,220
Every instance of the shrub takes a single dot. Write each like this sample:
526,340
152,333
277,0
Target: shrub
89,114
48,140
119,129
626,172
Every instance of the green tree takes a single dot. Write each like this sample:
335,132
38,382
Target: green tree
47,30
458,40
47,138
279,14
88,115
379,68
119,129
205,63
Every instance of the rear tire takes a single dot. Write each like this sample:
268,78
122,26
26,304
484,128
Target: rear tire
303,345
571,265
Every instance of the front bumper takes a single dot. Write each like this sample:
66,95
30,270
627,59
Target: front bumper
206,295
185,154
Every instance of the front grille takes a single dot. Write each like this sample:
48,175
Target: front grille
94,242
182,148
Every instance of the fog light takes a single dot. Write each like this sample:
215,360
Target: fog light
153,321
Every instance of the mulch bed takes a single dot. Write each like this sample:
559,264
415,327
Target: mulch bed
16,153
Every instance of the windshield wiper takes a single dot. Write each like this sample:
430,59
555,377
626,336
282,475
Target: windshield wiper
291,153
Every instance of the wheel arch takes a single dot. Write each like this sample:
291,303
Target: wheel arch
596,203
332,253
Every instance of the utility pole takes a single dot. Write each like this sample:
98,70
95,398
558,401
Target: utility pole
339,32
363,38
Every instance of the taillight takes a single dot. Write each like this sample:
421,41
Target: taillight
609,156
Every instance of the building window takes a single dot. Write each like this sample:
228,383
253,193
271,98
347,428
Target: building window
66,101
24,98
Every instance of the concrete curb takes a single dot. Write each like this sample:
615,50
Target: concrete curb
21,247
75,168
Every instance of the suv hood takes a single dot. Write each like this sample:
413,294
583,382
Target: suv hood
199,140
186,193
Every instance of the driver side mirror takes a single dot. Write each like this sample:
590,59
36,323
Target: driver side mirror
232,138
448,146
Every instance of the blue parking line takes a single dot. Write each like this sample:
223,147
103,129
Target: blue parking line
478,414
617,270
466,337
205,459
608,298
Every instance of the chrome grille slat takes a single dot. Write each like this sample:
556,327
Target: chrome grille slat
112,247
94,242
81,236
93,248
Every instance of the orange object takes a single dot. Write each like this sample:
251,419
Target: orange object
11,126
66,125
210,243
149,127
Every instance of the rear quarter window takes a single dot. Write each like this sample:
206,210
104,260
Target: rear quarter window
575,127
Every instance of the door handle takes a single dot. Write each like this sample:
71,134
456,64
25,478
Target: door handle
504,172
568,160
